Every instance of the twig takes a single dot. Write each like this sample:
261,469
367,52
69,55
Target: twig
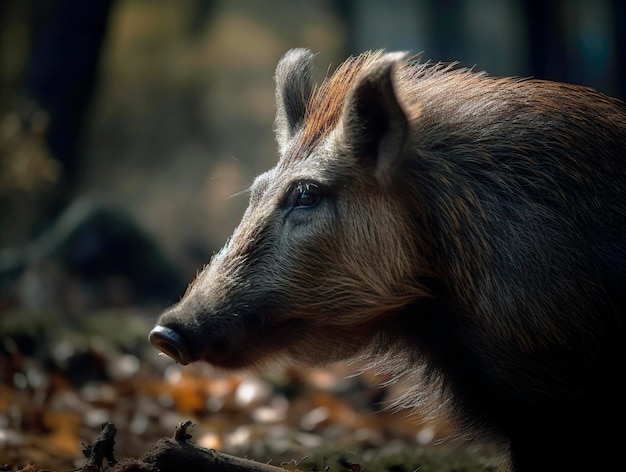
101,449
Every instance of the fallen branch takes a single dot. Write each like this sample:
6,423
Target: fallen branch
175,454
170,455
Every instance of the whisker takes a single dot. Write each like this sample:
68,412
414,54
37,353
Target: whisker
241,192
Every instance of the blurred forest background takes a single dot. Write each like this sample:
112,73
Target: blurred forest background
128,127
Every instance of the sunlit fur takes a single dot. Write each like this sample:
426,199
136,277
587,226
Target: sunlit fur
325,107
484,259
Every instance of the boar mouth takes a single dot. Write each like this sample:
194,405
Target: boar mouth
245,345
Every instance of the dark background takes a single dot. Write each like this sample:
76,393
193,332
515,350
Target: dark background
128,129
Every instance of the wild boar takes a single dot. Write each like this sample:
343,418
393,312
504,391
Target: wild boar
460,231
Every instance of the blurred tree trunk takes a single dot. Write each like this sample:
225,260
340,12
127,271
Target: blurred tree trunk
67,38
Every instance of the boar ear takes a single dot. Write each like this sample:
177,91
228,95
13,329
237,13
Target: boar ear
374,126
294,86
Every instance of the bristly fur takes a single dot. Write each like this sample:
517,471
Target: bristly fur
324,109
461,232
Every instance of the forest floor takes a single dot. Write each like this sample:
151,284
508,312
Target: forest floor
61,380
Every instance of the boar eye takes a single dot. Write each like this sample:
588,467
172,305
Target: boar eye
308,195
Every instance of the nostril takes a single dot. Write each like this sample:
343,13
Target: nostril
171,343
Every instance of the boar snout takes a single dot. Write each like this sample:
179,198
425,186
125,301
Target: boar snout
189,334
171,343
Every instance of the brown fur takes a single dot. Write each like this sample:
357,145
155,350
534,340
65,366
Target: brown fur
462,232
326,105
